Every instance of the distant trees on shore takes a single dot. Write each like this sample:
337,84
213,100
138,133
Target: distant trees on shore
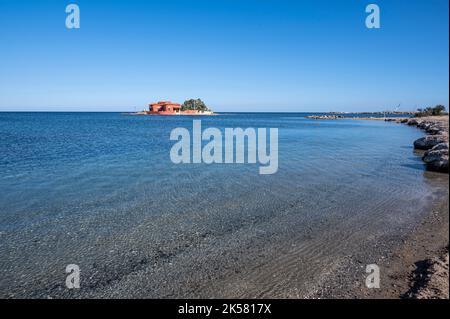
431,111
194,104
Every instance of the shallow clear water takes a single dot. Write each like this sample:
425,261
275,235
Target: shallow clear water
99,190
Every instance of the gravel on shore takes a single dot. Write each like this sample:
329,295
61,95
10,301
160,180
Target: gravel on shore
419,267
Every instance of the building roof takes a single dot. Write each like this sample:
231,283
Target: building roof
161,103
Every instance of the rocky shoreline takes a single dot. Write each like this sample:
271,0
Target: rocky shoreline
435,143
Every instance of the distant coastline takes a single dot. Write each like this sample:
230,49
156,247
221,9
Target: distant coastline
379,112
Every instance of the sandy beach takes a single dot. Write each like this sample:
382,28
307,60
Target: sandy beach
428,246
418,268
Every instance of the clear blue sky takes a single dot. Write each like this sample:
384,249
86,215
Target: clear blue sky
260,55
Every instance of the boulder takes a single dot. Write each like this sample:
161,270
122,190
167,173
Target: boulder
423,125
412,122
440,146
436,159
429,141
434,130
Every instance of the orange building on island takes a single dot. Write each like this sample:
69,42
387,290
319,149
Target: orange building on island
164,108
171,108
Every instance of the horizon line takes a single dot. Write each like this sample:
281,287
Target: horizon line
350,112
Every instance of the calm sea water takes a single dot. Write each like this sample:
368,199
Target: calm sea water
99,190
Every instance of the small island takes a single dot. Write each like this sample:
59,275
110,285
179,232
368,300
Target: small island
189,107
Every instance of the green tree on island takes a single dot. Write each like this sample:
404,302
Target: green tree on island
431,111
193,104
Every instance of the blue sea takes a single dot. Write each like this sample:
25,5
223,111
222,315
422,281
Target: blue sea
99,190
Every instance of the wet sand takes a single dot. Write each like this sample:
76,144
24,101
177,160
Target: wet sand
426,251
418,268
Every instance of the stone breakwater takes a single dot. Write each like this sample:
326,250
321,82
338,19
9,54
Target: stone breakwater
435,144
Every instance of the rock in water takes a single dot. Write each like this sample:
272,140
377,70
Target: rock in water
434,130
413,122
428,142
437,158
440,146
